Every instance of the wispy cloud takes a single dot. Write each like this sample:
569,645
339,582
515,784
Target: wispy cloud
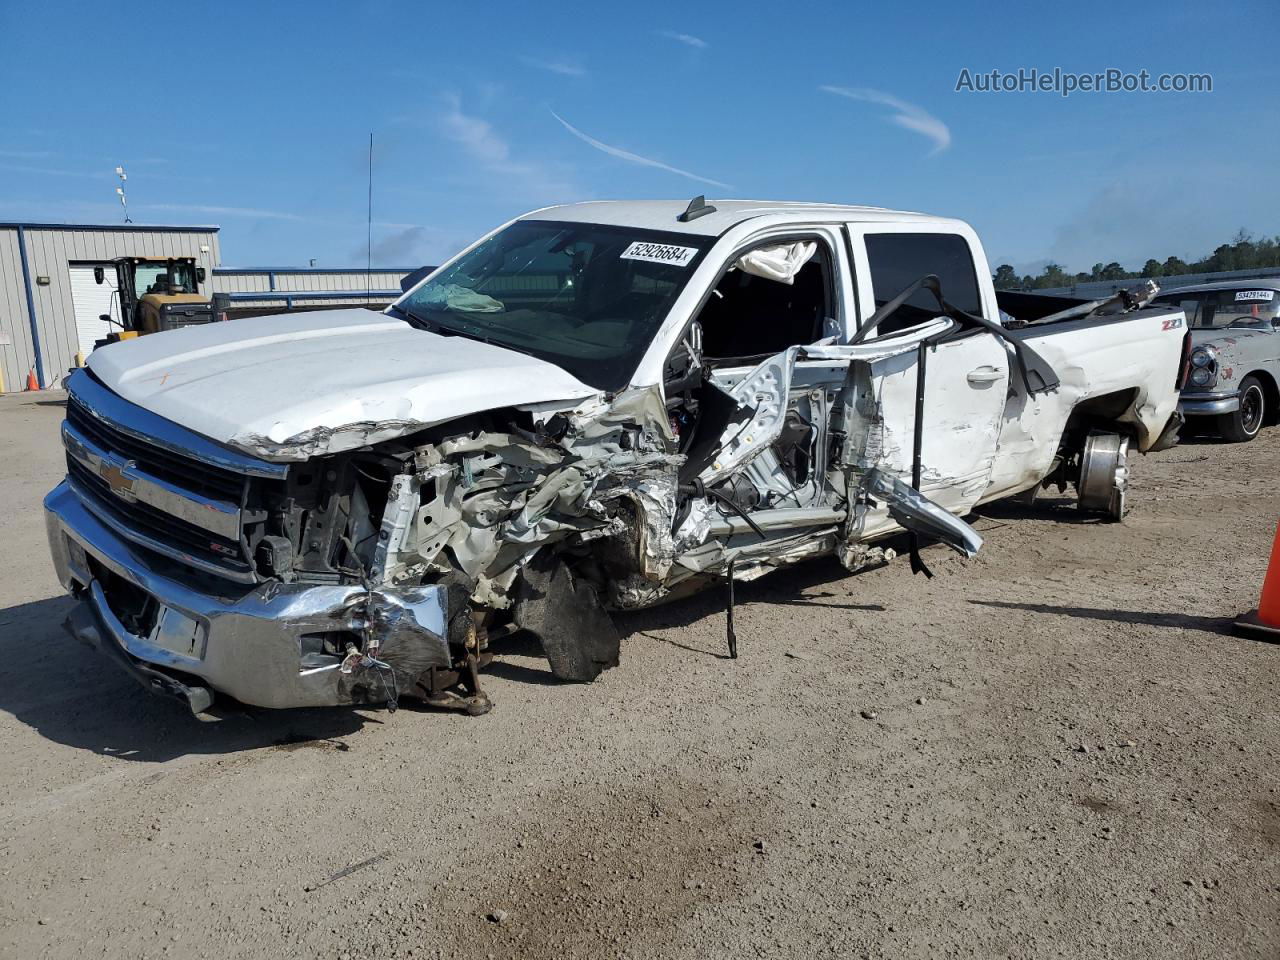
908,115
475,134
634,157
688,39
490,150
26,154
217,211
561,67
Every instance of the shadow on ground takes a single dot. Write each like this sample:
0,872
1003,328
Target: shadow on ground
74,695
71,694
1181,621
792,586
1046,507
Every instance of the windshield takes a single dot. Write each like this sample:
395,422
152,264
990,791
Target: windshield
154,278
1215,309
586,297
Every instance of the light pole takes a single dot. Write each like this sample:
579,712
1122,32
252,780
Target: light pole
124,201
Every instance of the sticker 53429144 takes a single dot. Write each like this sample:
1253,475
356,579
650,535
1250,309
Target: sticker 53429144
1255,295
660,253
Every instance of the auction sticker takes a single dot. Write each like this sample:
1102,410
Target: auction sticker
660,253
1255,295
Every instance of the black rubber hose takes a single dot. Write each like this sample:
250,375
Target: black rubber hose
698,489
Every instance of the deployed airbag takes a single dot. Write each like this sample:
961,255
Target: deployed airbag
781,262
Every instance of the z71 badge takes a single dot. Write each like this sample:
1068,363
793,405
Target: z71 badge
1173,323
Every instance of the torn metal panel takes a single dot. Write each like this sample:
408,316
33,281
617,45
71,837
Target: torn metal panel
406,634
766,391
917,513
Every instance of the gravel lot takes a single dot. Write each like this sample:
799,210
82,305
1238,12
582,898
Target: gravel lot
1055,749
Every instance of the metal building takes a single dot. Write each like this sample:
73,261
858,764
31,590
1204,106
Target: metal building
49,300
250,291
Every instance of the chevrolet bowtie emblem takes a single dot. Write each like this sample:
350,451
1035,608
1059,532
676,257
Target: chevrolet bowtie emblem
121,484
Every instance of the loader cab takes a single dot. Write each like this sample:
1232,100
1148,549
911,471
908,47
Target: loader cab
157,294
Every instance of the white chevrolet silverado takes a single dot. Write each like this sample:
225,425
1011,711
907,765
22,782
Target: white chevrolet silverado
595,407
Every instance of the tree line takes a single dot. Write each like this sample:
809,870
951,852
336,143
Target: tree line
1242,253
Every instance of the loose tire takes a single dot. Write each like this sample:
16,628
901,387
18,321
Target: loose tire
1243,424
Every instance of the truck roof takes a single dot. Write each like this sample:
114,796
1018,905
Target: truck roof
662,214
1257,283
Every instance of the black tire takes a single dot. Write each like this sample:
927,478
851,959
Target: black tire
1244,424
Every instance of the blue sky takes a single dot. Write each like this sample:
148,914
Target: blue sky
256,116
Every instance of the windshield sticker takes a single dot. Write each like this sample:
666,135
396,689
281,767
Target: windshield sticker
660,253
1255,295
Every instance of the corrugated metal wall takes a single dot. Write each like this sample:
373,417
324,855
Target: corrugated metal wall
51,249
16,355
285,280
254,279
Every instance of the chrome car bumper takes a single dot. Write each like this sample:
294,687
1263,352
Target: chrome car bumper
250,643
1208,404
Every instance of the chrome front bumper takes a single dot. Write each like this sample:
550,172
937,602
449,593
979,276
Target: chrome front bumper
247,643
1209,404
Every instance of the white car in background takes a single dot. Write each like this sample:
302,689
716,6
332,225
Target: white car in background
1234,386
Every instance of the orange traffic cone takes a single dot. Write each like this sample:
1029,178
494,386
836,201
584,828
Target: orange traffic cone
1264,623
32,382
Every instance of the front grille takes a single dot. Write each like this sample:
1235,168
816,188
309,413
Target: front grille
215,483
123,434
178,536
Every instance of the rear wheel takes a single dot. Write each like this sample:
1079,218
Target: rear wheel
1244,423
1104,475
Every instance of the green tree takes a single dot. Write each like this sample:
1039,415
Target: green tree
1153,268
1005,277
1113,271
1174,267
1052,276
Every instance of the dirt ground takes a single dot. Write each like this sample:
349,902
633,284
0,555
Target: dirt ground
1056,749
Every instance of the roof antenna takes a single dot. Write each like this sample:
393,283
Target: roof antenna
368,262
698,207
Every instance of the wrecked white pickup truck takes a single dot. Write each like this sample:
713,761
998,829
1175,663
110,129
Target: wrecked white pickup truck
597,406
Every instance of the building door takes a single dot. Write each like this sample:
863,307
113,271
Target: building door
92,299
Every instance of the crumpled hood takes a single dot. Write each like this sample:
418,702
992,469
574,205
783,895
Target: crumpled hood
295,385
